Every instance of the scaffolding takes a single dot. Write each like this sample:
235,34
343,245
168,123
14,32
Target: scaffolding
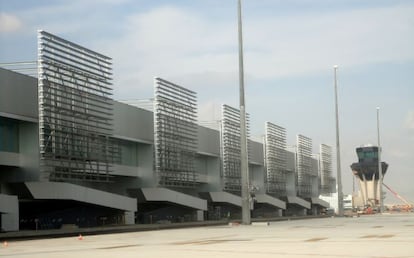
327,183
304,166
175,116
230,148
75,111
275,159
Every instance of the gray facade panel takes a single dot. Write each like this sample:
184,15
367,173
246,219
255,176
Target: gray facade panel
208,141
256,153
18,94
147,176
9,212
315,180
257,179
9,159
290,158
29,152
132,122
26,161
291,175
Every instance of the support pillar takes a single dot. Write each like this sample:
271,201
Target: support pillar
9,207
129,217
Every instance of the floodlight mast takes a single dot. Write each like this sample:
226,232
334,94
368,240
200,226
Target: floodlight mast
381,178
244,166
338,152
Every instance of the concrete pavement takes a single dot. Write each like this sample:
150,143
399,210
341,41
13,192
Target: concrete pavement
365,236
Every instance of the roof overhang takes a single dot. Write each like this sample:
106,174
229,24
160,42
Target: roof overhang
264,198
320,202
202,153
67,191
299,201
225,197
168,195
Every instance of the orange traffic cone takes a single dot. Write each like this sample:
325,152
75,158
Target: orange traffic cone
80,237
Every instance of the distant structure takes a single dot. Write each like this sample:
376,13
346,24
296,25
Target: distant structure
366,170
72,155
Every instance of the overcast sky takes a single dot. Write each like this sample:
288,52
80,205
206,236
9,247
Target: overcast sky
290,50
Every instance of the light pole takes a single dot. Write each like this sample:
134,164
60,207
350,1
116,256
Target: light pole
338,153
381,200
244,166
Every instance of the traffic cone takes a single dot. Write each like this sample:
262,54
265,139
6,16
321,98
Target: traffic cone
80,237
5,244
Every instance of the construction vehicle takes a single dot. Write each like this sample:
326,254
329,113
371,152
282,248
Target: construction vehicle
407,205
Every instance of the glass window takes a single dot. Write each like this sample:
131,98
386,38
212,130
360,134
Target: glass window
370,154
9,135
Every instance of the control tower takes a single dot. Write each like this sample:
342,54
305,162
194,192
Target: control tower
366,170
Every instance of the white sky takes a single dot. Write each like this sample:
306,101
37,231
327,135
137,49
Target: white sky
290,49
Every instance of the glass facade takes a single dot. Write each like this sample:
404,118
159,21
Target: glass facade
368,154
9,135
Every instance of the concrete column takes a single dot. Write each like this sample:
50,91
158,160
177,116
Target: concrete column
314,210
9,206
200,215
279,212
129,217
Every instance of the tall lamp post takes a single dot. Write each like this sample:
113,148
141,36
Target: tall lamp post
338,153
245,193
381,200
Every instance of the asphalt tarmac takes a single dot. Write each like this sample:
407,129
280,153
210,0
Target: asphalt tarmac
387,235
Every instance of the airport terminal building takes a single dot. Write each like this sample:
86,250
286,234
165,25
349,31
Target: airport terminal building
70,154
